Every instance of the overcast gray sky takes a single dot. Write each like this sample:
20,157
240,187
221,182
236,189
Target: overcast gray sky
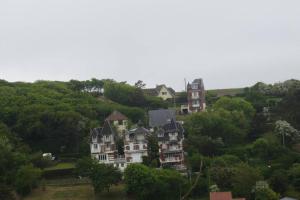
229,43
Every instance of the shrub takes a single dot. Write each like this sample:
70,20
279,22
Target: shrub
27,178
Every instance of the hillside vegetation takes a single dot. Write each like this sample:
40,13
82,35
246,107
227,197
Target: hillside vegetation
248,143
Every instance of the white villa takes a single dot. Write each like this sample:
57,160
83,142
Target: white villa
170,135
135,145
161,91
103,146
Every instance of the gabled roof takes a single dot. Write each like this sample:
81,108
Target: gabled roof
139,130
161,117
171,127
171,90
220,196
99,132
151,91
115,116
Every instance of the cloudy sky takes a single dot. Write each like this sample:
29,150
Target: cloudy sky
230,43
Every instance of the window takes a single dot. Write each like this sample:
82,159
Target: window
136,147
107,138
122,164
120,122
195,94
127,147
95,146
102,157
195,102
144,146
194,86
164,93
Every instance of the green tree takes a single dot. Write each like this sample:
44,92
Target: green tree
279,181
120,146
145,183
85,166
294,174
27,178
140,182
244,179
235,104
140,84
104,176
262,192
153,154
287,132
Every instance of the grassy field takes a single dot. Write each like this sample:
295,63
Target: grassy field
226,92
78,192
63,165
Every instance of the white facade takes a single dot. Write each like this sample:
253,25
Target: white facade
164,93
136,145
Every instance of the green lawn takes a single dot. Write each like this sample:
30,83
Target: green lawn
63,165
77,192
227,92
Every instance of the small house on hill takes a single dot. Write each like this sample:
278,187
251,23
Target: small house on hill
119,120
161,91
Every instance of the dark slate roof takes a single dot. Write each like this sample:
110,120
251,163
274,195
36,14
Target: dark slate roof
151,91
99,132
171,127
160,117
139,130
199,81
172,91
115,116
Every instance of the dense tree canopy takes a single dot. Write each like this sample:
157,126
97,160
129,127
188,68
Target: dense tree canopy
55,116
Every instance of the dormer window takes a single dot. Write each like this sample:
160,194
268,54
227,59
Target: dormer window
95,146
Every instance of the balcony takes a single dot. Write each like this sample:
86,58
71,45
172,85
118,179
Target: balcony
172,159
